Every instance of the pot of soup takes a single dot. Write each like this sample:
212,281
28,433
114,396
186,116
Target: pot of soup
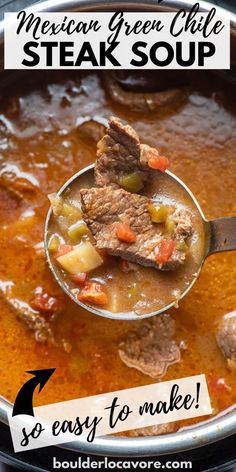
50,125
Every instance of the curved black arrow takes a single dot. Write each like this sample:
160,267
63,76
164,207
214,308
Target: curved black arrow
24,401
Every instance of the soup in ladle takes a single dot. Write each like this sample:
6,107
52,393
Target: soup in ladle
49,130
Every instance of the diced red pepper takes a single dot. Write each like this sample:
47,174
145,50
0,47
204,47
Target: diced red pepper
93,292
45,303
164,252
125,233
159,163
79,279
63,249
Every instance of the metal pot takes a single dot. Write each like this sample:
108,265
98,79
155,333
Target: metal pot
202,434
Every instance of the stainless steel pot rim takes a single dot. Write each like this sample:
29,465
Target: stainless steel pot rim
193,437
202,434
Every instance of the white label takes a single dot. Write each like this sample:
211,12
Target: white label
112,412
141,40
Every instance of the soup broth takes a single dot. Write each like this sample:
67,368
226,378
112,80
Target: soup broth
43,141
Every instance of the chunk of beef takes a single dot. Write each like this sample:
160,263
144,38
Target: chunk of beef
183,224
91,130
120,153
18,182
104,208
36,320
155,430
151,347
226,337
144,102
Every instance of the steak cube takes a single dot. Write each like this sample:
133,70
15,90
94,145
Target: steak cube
120,153
151,347
226,338
104,208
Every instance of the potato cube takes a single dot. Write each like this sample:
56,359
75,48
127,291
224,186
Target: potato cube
83,258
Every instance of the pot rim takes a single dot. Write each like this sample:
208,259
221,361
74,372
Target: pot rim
203,433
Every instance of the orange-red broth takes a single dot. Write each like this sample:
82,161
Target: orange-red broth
39,135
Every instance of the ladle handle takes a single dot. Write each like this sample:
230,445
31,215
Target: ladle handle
222,234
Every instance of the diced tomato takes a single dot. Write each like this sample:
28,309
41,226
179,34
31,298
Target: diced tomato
63,249
79,279
164,251
127,266
93,292
43,302
217,385
159,163
125,233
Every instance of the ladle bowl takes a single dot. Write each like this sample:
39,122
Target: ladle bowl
220,235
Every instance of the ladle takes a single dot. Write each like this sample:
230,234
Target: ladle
220,235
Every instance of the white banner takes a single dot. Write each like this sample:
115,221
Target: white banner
154,40
110,413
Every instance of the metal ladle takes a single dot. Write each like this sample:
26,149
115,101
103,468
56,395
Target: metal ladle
220,235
